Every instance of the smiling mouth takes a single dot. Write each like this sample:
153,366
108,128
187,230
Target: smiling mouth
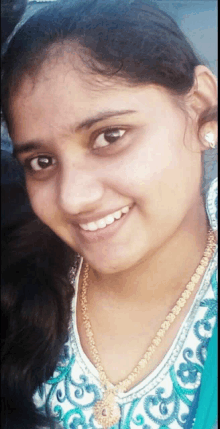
105,221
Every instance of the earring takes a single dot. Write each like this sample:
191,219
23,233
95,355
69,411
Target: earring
210,138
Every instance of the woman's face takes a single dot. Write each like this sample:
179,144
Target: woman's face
113,170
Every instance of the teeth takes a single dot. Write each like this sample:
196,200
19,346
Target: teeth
102,223
125,209
118,214
109,219
84,226
92,226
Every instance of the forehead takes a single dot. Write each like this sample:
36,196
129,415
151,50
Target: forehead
66,72
58,84
65,91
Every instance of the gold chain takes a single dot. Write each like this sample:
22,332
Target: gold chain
107,412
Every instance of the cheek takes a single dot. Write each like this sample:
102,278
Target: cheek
43,200
160,170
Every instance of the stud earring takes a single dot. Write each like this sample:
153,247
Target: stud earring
210,138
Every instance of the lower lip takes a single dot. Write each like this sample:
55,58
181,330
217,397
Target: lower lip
104,233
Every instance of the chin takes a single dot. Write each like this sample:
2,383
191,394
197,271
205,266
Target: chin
111,264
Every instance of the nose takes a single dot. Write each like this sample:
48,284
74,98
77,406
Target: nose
79,191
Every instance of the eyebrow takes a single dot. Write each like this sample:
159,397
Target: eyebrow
26,147
34,145
101,117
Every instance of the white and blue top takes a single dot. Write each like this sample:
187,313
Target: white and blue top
166,397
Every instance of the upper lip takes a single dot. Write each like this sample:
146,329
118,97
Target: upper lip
97,216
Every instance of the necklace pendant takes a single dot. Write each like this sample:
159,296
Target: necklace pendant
106,411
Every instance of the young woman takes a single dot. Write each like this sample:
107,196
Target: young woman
110,113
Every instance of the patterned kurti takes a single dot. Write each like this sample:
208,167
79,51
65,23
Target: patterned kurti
163,399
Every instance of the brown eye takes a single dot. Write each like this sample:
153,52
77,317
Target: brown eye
108,137
41,163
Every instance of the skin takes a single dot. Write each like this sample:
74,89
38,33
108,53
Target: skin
155,168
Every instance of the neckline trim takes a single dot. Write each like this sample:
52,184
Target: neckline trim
159,373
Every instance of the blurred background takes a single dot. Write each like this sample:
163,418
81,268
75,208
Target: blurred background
197,19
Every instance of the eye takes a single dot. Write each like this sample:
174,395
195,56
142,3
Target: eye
108,137
41,163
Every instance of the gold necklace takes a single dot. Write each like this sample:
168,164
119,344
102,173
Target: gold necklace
106,411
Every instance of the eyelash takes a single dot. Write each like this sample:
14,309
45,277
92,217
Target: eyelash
28,161
28,166
108,131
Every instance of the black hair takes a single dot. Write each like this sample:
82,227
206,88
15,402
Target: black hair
133,40
36,300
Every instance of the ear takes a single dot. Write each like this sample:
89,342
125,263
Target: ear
203,94
203,98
